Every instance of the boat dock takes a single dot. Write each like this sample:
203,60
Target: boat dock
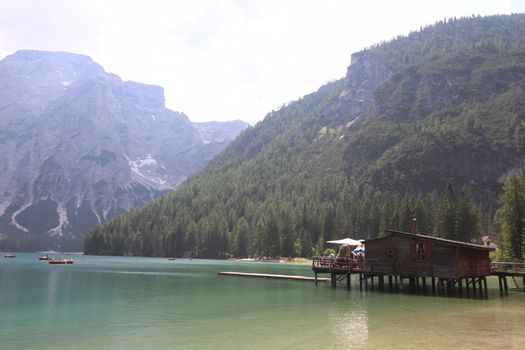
507,273
273,276
507,269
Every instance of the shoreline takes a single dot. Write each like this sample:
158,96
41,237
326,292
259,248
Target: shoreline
284,261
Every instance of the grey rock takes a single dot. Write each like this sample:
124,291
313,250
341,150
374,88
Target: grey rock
79,146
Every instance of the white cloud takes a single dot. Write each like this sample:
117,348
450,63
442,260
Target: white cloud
223,59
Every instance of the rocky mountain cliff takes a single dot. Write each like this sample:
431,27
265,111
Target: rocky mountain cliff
79,146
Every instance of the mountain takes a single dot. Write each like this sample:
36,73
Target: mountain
79,146
441,108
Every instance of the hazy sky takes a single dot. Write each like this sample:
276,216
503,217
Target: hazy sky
224,59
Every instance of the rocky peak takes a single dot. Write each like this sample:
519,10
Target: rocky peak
80,146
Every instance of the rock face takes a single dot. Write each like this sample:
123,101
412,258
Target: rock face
80,146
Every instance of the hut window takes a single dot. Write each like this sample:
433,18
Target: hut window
420,252
389,253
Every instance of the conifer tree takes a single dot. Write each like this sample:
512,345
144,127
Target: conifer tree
467,221
512,218
240,248
446,214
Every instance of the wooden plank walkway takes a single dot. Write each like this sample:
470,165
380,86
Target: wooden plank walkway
268,275
508,269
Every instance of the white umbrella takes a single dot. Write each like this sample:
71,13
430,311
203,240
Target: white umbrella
345,241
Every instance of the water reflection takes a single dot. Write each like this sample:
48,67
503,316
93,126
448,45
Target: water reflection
52,288
349,327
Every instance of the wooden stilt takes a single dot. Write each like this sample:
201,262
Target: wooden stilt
361,281
485,284
390,282
479,285
348,281
315,274
424,280
500,282
460,286
505,283
433,285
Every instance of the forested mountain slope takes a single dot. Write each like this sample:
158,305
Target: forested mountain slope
444,105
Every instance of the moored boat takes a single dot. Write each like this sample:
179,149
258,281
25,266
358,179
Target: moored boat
61,261
45,257
10,255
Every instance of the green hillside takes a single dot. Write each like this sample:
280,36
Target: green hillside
442,108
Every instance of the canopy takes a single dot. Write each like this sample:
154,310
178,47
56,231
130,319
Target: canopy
346,241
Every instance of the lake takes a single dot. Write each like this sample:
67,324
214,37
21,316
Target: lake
153,303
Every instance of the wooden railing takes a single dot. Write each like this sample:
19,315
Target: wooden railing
337,263
501,266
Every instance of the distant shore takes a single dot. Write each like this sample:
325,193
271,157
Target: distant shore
295,261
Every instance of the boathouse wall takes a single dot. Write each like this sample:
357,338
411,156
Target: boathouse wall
405,254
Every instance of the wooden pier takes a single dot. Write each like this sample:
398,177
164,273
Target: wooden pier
273,276
368,279
341,270
506,269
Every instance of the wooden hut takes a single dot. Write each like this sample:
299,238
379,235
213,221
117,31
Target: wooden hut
415,257
407,254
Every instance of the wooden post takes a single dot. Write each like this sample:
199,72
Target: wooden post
315,273
500,282
361,281
333,279
450,286
424,280
348,281
460,285
390,282
433,285
485,284
479,285
505,283
524,283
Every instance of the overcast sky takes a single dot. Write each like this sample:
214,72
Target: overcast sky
224,59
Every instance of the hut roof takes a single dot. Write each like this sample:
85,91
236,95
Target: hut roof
430,238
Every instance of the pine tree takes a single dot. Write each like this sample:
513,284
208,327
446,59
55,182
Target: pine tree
446,214
467,221
512,218
240,246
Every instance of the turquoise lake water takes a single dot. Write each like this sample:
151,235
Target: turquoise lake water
152,303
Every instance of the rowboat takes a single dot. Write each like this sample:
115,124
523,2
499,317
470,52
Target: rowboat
61,261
